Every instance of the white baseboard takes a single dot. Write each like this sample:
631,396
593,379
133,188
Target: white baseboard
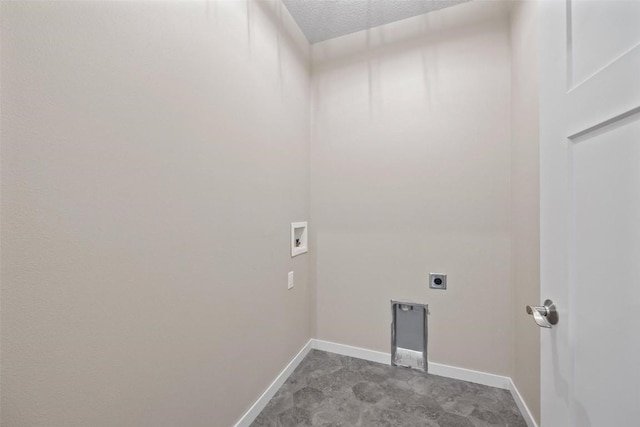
259,405
453,372
351,351
524,409
434,368
478,377
463,374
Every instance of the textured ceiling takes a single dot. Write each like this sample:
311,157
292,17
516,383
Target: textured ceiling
325,19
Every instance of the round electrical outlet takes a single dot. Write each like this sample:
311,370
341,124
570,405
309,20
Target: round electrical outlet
437,281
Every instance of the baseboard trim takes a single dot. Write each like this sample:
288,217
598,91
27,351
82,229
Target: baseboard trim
524,409
259,405
434,368
478,377
454,372
351,351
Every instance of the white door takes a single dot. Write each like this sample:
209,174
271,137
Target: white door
590,211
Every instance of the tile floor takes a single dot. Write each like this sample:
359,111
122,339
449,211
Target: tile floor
330,390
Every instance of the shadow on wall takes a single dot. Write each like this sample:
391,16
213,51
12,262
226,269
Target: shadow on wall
272,10
426,34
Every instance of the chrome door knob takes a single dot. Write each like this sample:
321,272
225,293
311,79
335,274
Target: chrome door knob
545,316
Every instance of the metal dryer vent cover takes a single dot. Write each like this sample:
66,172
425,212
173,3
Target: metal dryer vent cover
409,335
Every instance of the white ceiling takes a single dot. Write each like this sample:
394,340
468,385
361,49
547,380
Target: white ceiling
325,19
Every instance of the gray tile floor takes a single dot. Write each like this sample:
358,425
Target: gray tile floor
331,390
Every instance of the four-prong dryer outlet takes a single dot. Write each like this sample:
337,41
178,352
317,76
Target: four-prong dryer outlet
438,281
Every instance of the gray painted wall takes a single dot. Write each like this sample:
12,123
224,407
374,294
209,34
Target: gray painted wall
410,174
153,156
525,195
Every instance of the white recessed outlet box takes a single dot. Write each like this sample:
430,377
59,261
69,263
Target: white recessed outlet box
290,280
298,238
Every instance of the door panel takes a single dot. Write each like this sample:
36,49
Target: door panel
590,211
600,32
605,298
